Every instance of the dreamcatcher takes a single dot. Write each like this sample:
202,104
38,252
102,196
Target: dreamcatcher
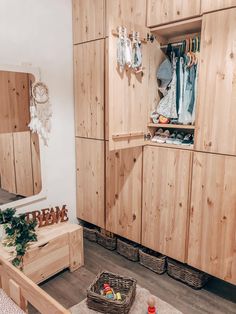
40,111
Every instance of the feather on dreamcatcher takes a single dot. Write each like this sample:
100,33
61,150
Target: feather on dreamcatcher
40,111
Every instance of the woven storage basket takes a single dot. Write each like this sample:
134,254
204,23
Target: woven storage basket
189,275
128,249
108,242
125,285
90,234
153,260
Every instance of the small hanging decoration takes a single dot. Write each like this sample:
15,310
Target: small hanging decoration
129,53
40,111
137,53
124,49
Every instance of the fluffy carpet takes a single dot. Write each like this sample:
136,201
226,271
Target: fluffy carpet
139,306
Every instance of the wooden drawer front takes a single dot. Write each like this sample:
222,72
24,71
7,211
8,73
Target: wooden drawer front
213,5
166,11
88,20
47,259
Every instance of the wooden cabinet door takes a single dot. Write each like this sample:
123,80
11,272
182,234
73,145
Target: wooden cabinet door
214,5
212,234
165,200
167,11
123,10
89,89
123,192
88,20
90,180
216,113
131,97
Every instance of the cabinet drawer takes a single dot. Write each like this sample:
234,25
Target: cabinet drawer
47,259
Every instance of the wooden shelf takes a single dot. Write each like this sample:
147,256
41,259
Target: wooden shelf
172,126
186,147
165,32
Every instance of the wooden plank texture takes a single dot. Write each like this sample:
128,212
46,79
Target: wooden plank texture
23,163
216,110
213,5
131,96
29,291
165,200
122,11
7,163
89,89
36,164
123,192
14,102
88,20
90,180
212,236
76,247
167,11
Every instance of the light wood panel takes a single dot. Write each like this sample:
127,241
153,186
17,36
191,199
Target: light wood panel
167,11
90,180
22,290
7,163
131,96
36,164
119,11
165,200
14,102
88,20
212,235
89,89
213,5
123,192
23,163
216,110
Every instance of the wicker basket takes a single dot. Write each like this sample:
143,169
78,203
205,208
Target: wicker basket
128,249
125,285
153,260
189,275
90,234
108,242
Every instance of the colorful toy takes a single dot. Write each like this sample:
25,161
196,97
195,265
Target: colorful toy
108,292
118,296
151,305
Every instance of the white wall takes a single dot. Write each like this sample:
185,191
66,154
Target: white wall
39,32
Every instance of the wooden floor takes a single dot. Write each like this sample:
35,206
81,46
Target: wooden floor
70,288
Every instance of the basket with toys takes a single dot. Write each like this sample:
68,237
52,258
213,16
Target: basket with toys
111,293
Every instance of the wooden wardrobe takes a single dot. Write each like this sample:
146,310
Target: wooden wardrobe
179,201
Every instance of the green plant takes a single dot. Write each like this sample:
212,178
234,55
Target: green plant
19,233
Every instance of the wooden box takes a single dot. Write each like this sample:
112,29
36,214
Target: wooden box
58,247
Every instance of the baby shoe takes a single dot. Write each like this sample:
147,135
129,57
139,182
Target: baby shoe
157,137
179,139
172,138
188,139
165,136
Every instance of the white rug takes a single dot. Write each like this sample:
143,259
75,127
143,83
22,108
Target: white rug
139,307
7,306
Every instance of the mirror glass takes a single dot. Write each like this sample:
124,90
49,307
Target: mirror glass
20,171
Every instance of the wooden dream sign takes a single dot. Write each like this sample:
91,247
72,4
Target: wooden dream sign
49,216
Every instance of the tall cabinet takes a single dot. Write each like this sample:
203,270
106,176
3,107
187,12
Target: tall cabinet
179,201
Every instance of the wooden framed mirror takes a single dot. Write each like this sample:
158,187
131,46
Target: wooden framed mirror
21,151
